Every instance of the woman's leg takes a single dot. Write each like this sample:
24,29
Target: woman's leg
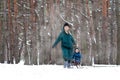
65,53
65,64
67,56
70,54
69,64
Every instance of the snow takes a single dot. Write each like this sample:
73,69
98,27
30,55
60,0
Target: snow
49,34
57,72
42,6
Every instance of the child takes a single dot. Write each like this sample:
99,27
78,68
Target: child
76,57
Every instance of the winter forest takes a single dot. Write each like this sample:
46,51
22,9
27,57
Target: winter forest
28,29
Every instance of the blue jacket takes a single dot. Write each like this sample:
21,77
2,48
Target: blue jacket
77,56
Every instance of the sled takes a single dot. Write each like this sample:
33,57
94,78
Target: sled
75,63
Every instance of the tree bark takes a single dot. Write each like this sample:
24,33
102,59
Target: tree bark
118,30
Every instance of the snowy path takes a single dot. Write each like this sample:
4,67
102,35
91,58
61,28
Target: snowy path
56,72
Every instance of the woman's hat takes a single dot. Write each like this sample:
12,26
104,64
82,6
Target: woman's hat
66,24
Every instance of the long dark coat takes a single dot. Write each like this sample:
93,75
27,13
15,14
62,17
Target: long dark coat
67,43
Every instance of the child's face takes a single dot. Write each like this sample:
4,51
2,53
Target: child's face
76,50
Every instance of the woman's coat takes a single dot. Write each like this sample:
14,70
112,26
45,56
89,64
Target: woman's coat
67,43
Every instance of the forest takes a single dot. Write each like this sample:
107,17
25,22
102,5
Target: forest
28,29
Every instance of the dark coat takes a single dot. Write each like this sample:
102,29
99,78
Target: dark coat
67,43
77,57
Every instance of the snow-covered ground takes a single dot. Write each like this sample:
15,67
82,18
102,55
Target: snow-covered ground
57,72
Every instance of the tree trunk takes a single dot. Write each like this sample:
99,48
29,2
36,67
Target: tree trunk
11,33
118,30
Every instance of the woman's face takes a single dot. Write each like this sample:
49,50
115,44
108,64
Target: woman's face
66,28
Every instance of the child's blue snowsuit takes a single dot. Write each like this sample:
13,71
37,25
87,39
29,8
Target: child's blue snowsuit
77,57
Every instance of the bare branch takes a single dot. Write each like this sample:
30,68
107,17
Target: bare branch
65,20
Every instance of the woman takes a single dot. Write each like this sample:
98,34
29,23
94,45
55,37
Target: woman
67,43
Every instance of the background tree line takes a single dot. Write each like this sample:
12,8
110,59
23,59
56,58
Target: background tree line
28,29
